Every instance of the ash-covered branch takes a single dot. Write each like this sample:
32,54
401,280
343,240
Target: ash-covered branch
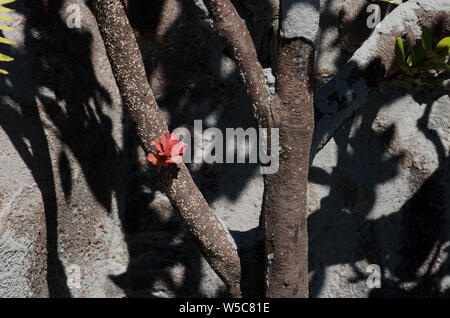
128,68
232,30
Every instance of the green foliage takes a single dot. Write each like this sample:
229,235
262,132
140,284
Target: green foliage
443,47
427,39
424,57
3,57
389,1
400,51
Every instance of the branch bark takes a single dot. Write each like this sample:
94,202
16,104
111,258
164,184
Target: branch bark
285,192
348,91
232,30
125,58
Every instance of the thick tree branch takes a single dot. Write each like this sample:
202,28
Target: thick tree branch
284,206
285,193
347,92
124,55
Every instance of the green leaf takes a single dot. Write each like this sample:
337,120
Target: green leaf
400,51
5,27
410,71
430,65
5,17
6,41
5,58
443,47
427,39
390,1
431,54
5,9
418,55
403,84
409,60
438,60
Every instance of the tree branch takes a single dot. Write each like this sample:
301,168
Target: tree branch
348,91
125,58
284,207
232,30
285,192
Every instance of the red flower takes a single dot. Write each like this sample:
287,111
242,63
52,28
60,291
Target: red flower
170,150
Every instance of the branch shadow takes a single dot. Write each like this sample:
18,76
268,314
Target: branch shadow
407,244
47,46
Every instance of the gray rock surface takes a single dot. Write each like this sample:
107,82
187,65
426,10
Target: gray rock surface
379,195
62,163
301,19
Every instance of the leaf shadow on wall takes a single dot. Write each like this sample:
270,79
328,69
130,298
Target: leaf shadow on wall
52,90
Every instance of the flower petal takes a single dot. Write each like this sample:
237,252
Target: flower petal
166,141
173,141
178,149
155,159
157,145
175,159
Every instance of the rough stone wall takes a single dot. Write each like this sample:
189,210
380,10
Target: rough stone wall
63,161
379,195
77,202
